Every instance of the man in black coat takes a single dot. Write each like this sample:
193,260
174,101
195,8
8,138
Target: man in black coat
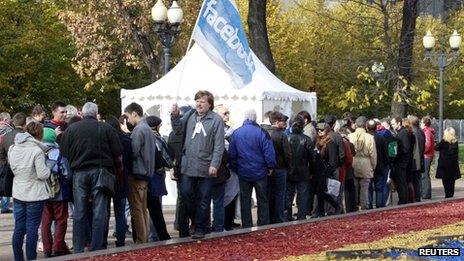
401,163
379,182
91,146
418,157
277,181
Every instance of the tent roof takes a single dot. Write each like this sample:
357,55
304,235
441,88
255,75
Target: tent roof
196,71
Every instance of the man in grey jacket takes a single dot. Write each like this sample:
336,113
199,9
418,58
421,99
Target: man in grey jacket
203,146
144,149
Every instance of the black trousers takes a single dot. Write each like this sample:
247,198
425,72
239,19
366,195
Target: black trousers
448,185
350,196
401,184
229,218
156,214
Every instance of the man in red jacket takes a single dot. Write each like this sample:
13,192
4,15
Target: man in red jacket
428,156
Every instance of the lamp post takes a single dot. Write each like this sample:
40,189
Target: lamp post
441,59
167,26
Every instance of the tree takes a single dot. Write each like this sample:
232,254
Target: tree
113,33
35,58
405,55
258,32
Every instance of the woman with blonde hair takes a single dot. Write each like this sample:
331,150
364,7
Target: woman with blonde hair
448,161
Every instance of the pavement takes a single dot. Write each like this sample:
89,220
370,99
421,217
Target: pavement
7,224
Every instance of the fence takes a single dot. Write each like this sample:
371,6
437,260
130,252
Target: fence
458,126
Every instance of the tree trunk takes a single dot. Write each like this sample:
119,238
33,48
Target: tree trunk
259,40
143,40
408,28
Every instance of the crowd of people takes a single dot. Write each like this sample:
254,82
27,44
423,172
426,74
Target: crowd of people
76,163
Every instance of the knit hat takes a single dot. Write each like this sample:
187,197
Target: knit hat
49,135
153,121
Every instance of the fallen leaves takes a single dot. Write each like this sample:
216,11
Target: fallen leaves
310,238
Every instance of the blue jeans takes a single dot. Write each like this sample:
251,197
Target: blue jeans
27,217
378,184
84,190
301,189
119,205
5,203
276,193
200,190
426,187
218,207
246,187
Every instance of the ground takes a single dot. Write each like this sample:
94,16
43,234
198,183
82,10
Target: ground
6,222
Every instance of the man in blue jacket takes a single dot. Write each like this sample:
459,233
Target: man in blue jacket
252,157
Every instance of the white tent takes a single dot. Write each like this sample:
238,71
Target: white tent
196,71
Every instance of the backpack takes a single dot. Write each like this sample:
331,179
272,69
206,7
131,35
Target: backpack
163,157
392,148
53,181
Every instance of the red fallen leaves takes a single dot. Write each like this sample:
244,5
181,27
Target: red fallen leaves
307,238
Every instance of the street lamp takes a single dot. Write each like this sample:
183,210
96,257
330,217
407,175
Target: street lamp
167,26
441,59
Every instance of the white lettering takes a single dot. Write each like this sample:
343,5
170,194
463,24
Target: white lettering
228,33
219,20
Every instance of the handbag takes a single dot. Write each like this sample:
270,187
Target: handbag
333,187
106,179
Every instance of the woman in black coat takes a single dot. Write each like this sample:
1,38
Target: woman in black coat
448,161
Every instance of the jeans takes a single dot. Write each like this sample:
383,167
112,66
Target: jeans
54,211
246,188
426,185
184,213
276,193
119,206
301,189
377,185
84,190
27,217
218,207
202,188
5,203
416,182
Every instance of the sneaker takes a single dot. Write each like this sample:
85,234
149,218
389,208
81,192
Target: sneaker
198,235
40,247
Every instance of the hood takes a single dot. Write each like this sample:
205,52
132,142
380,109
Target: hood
22,138
26,138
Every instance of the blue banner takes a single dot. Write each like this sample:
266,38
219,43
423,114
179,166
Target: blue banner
220,33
